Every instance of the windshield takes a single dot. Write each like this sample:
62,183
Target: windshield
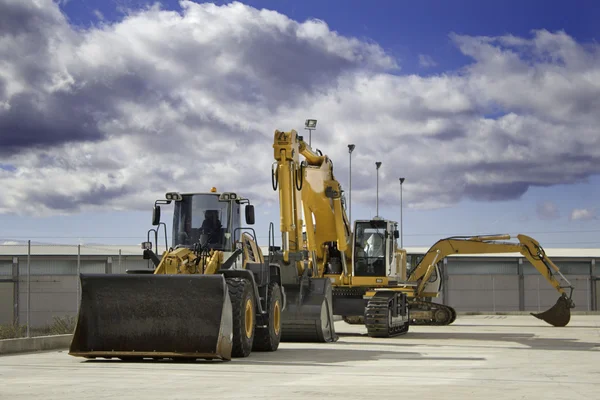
369,249
202,217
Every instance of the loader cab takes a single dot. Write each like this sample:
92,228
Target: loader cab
374,247
209,219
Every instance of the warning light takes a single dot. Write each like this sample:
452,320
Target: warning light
214,189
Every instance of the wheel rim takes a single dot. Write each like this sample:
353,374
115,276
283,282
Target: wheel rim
276,318
249,318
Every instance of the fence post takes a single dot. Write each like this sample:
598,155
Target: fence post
589,292
28,287
78,272
493,294
120,260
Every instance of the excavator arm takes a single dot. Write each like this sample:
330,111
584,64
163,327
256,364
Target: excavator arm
558,315
309,187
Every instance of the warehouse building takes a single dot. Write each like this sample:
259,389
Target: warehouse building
472,283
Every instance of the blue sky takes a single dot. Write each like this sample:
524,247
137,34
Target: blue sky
533,182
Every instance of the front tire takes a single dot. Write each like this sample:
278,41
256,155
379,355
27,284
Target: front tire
244,316
268,338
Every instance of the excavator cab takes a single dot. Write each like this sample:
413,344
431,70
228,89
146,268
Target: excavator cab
373,248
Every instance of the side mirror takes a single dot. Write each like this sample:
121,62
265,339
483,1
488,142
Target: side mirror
250,214
156,215
396,234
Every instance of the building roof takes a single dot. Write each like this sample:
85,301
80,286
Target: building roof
136,250
70,250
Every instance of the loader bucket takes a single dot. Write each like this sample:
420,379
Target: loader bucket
308,314
158,316
559,314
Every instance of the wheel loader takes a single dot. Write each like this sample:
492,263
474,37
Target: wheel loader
365,268
211,295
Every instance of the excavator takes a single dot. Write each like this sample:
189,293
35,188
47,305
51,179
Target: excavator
368,272
211,295
336,272
425,279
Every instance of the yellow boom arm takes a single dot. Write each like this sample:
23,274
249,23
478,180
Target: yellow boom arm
308,187
527,246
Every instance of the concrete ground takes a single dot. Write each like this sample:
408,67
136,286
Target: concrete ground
478,357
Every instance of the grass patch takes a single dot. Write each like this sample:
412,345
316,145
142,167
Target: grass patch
59,326
12,331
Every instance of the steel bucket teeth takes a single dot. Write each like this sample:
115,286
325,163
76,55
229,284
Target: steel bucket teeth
559,314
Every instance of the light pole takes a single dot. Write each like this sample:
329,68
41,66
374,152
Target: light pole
310,125
350,150
401,243
377,164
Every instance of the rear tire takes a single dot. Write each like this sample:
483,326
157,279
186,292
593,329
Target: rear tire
268,338
244,316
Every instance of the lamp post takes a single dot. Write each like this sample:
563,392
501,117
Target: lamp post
350,150
401,243
377,164
310,125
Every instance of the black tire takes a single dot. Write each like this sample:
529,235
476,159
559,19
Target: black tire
242,305
268,338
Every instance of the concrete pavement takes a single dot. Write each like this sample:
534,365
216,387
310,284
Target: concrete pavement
491,357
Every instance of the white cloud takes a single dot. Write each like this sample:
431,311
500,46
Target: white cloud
547,210
583,214
426,61
116,115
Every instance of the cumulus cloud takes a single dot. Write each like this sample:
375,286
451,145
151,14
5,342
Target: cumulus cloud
583,214
117,114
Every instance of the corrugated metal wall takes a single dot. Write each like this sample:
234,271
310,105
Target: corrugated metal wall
472,284
5,269
6,303
51,295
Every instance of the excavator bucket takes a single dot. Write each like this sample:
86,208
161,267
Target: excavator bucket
308,315
559,314
158,316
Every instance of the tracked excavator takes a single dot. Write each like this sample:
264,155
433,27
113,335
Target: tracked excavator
334,272
426,277
210,295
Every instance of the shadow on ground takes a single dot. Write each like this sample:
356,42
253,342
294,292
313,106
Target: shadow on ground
438,339
310,357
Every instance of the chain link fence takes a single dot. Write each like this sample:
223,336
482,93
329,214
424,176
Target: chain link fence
40,288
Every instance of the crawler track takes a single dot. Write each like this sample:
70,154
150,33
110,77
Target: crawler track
379,322
429,313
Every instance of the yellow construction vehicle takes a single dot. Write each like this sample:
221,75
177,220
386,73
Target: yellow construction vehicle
332,273
426,277
370,284
210,295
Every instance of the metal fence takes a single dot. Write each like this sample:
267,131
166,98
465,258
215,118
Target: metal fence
39,283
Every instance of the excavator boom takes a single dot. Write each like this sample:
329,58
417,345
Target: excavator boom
557,315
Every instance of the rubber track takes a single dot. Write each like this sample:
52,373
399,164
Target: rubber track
428,306
377,319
